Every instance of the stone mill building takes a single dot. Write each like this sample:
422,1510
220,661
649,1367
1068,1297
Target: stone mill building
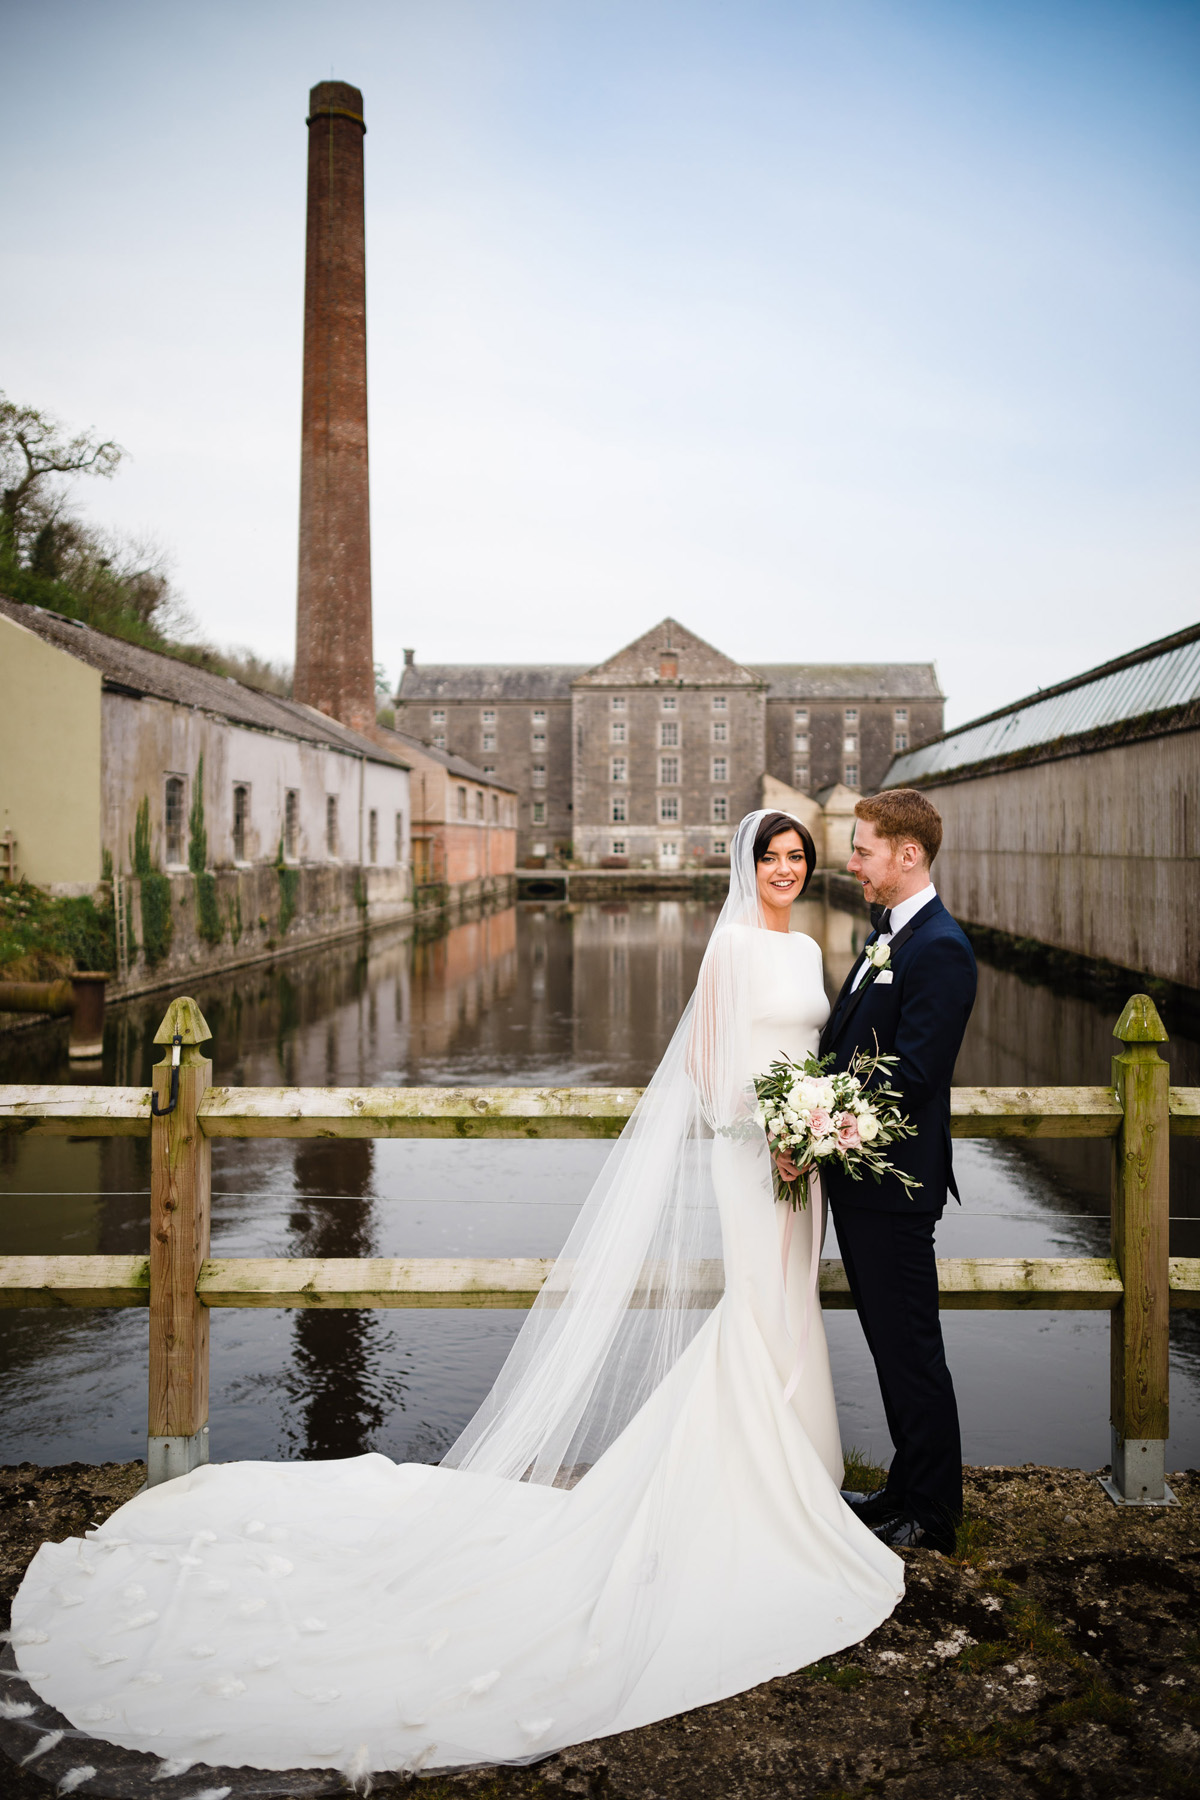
654,755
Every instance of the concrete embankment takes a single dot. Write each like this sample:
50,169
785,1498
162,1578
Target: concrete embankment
1057,1655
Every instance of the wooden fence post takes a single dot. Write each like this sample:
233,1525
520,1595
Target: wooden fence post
1140,1233
180,1207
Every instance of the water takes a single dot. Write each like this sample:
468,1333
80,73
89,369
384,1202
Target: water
539,994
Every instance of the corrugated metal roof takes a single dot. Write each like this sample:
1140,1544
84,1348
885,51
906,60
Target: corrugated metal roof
138,671
1162,676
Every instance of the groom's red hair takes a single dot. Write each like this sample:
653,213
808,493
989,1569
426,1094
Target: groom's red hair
903,816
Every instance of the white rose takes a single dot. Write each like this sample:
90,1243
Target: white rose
868,1127
824,1146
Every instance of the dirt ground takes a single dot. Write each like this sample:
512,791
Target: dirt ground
1057,1655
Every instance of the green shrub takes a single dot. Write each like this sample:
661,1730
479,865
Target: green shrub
158,927
289,890
209,923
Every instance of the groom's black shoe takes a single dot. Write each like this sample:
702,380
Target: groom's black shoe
874,1509
902,1532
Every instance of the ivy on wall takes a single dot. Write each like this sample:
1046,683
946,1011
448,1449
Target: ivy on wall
289,890
209,923
157,924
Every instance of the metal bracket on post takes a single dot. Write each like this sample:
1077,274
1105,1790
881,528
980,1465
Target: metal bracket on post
1139,1341
167,1457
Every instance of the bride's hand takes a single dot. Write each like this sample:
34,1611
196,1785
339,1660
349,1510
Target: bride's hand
788,1170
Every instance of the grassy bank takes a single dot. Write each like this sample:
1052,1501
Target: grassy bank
42,938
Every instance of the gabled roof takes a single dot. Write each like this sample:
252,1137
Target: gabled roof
487,681
1148,692
454,765
850,681
698,664
131,669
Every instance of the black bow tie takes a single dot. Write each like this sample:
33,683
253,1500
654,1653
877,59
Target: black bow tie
881,919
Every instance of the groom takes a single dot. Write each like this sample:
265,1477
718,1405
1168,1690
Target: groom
910,993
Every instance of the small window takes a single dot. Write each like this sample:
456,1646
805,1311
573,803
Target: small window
539,716
668,771
619,768
400,837
539,740
437,716
618,847
800,716
850,745
720,847
668,733
488,716
900,716
900,740
670,703
495,809
720,768
618,813
489,768
373,836
851,715
720,731
720,809
439,741
489,740
668,809
538,775
241,812
479,803
800,776
331,825
462,802
617,731
720,703
800,742
173,819
617,703
539,812
291,824
851,775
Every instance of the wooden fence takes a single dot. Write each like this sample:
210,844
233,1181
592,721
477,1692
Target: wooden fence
178,1280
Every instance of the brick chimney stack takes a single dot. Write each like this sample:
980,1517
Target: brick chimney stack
335,668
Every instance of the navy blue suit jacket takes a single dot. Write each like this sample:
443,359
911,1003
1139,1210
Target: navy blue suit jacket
920,1016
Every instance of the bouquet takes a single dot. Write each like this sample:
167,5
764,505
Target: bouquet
817,1117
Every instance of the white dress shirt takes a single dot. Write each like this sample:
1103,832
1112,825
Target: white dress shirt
901,914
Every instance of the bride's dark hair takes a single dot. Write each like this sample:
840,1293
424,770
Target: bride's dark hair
774,825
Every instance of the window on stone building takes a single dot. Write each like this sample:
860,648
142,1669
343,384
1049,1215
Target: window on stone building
488,716
489,740
373,836
400,837
479,803
617,731
850,745
538,775
800,716
900,716
462,802
489,768
670,703
720,768
241,813
173,819
668,809
851,715
539,716
619,768
668,733
900,740
539,740
495,809
720,731
668,771
439,741
618,812
720,703
618,847
617,703
720,809
851,775
539,812
720,846
437,716
331,825
800,776
800,742
291,824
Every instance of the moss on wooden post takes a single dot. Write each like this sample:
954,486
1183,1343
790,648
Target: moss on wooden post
1140,1234
180,1213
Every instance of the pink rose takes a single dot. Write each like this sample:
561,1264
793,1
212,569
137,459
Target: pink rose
848,1136
819,1122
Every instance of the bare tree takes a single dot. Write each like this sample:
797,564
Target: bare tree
34,450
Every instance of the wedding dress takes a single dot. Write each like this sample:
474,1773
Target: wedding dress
363,1616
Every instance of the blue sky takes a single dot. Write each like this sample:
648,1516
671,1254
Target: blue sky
840,330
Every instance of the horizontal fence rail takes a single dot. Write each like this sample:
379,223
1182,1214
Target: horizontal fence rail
1137,1285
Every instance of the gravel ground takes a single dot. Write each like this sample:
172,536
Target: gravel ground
1057,1655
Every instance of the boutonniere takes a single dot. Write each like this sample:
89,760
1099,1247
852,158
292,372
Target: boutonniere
878,955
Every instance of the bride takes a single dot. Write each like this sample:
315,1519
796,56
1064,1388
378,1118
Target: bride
643,1517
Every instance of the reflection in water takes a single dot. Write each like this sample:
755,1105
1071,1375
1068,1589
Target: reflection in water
539,994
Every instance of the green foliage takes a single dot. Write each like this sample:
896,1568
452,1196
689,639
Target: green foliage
197,834
139,854
106,865
209,923
42,938
862,1475
158,927
289,890
235,916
